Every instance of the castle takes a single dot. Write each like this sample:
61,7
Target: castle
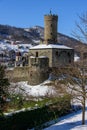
48,53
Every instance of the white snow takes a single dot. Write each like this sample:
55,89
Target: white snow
35,91
76,58
48,46
20,47
42,56
36,41
70,122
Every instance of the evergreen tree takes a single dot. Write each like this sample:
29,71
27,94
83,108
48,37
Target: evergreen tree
4,83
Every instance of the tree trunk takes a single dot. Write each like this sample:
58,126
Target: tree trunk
83,111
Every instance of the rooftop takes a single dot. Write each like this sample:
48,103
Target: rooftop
50,46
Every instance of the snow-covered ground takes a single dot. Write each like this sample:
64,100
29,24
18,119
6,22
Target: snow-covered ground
76,58
70,122
34,91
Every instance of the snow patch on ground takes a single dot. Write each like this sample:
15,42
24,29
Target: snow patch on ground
35,91
70,122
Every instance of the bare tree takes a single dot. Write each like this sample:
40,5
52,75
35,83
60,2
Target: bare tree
78,86
74,79
80,32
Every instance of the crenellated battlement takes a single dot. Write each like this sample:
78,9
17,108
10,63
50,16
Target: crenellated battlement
51,17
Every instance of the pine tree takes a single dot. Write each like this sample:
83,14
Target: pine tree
4,83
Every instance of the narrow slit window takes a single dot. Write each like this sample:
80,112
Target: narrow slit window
36,54
56,53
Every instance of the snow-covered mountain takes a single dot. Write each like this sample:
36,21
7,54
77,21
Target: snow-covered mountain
12,37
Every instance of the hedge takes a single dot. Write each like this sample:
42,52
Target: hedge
36,117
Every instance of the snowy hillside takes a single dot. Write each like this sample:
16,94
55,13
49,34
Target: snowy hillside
16,47
33,35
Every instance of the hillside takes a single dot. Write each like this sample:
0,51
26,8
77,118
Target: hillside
35,34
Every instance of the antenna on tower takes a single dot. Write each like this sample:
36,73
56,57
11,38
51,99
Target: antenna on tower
50,12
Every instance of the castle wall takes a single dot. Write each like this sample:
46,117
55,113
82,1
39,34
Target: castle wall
57,57
39,70
33,75
37,75
62,57
18,74
42,52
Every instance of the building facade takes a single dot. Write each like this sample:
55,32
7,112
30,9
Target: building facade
58,55
54,53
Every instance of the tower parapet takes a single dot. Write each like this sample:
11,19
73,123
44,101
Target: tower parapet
50,32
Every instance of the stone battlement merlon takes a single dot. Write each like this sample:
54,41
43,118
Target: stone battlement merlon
50,17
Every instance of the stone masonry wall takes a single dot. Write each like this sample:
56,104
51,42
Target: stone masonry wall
18,74
43,52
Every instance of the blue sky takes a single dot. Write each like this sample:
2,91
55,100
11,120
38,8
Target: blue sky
29,13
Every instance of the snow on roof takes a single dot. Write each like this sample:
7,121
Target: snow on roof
43,57
50,46
39,57
32,56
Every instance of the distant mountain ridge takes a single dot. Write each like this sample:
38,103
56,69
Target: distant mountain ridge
35,34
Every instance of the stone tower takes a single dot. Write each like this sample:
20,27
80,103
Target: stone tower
50,32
